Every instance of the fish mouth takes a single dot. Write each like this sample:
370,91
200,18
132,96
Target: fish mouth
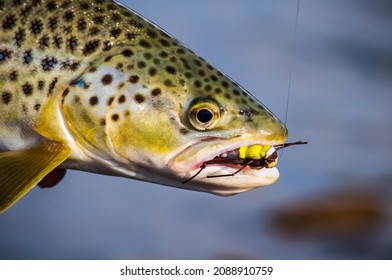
216,178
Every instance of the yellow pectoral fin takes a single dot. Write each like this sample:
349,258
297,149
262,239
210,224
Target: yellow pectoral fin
21,170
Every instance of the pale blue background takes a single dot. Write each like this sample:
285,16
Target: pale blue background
340,102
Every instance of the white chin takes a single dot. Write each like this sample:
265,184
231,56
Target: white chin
229,185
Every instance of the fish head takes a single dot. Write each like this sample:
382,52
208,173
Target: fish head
156,111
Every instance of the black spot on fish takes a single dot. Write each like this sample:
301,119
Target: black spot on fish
102,122
236,92
168,82
37,106
9,22
163,54
214,78
152,34
197,63
131,35
141,65
107,45
91,47
208,87
181,51
51,6
64,95
58,41
19,37
27,89
197,84
116,17
188,75
84,6
135,24
156,92
72,65
225,84
98,20
164,43
82,25
127,52
108,58
147,55
36,27
107,79
72,43
67,29
201,73
139,98
26,11
152,71
134,79
93,100
52,23
227,96
27,57
69,16
122,99
52,85
44,42
6,97
144,44
5,55
41,84
13,76
171,70
48,63
115,117
115,32
110,100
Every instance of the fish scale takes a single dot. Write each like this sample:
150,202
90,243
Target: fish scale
121,94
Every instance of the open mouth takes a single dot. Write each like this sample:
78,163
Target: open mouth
246,159
194,156
242,159
227,167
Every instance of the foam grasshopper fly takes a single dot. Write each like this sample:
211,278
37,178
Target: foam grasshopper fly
268,160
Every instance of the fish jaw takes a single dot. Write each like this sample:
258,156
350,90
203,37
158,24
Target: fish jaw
189,161
246,180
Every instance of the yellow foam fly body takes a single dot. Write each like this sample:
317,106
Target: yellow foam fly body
253,152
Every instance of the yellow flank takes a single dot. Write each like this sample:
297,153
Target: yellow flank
253,152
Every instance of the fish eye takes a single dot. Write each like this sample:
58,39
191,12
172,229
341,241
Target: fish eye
204,116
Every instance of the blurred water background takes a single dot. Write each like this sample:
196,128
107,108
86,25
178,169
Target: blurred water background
333,200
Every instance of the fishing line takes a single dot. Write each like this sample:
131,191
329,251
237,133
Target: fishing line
291,65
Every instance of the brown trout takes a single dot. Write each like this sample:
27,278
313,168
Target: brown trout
93,86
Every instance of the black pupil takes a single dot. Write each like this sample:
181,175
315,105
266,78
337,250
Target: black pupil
204,115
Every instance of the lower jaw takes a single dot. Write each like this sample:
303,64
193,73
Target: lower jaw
229,185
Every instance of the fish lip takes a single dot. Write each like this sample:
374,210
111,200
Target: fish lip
192,157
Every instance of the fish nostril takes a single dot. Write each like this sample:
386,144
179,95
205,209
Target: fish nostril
247,114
